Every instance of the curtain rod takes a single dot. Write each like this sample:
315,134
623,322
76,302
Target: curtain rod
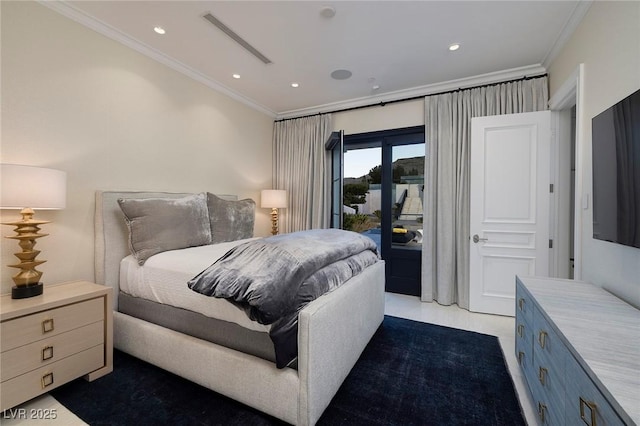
413,98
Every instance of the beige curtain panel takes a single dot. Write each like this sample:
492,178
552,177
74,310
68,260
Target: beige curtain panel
301,165
445,251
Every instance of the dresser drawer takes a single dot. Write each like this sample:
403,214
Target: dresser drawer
524,304
546,342
524,344
585,404
44,379
49,350
547,385
549,358
524,327
30,328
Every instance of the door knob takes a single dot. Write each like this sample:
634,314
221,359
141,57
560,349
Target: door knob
477,239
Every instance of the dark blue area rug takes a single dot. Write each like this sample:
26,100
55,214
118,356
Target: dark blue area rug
411,373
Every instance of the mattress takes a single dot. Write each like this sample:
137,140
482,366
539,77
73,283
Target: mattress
163,279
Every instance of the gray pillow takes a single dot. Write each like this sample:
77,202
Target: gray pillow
161,224
230,220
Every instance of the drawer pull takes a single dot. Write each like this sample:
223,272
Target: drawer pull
542,338
47,325
542,410
542,375
47,353
521,303
47,380
591,419
520,330
520,357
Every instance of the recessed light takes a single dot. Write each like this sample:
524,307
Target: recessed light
295,85
328,12
454,46
236,76
341,74
159,30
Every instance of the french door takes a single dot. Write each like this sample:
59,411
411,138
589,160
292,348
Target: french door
335,145
377,190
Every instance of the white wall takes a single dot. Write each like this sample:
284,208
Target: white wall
608,43
391,116
113,119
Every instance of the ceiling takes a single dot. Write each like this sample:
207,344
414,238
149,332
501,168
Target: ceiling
393,49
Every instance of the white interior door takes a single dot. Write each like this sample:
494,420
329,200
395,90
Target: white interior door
509,210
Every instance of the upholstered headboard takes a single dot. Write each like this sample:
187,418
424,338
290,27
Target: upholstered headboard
111,233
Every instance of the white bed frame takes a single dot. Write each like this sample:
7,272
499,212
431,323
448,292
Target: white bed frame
333,331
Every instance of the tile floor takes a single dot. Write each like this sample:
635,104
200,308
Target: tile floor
396,305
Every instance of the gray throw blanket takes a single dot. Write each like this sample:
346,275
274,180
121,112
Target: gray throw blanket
274,278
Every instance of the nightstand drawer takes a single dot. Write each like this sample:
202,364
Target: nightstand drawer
49,350
41,380
37,326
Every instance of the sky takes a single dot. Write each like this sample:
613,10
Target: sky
358,162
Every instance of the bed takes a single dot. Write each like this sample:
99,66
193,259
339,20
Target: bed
328,346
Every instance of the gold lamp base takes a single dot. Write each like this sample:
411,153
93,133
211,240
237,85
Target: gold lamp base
28,279
274,221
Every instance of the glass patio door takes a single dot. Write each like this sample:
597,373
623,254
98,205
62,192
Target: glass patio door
405,211
381,193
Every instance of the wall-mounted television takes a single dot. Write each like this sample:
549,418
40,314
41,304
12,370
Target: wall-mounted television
616,172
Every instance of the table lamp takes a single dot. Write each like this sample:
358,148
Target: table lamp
26,188
273,199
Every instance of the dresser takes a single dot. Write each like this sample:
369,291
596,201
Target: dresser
51,339
579,349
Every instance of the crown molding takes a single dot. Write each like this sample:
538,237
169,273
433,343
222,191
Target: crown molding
462,83
71,12
566,95
64,8
569,28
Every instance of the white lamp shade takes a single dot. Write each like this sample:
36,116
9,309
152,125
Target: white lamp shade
273,198
34,187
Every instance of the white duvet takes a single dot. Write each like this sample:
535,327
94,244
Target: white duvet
163,279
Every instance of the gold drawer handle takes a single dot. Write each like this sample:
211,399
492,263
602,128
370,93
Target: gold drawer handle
592,409
542,338
47,325
542,409
520,330
520,357
47,353
47,380
542,374
521,303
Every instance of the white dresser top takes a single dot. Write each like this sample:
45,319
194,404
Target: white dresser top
602,332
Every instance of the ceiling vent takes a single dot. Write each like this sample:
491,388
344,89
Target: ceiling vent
242,42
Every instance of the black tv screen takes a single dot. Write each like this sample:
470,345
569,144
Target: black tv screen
616,172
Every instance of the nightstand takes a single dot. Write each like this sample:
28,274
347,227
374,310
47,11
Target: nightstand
49,340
